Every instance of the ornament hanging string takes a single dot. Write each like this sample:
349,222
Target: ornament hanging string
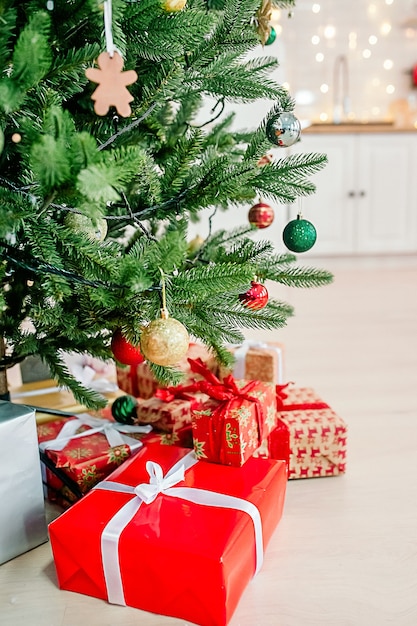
164,310
110,47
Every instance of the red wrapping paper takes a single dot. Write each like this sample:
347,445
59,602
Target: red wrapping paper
177,558
309,435
127,379
84,461
231,425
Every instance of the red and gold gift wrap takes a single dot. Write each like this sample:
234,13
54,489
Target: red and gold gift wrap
170,408
256,360
146,383
171,535
309,435
233,422
85,456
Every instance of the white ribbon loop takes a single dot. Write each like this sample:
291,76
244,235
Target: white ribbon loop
158,483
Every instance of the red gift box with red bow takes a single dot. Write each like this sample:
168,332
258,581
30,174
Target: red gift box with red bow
230,426
136,538
309,435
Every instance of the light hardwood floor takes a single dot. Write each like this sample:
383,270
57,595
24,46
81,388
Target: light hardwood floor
345,552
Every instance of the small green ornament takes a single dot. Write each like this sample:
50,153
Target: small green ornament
96,231
299,235
123,409
271,37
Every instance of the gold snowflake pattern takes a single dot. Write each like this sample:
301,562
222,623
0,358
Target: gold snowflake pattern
243,415
45,430
271,414
259,394
169,439
118,454
89,476
206,413
199,449
79,453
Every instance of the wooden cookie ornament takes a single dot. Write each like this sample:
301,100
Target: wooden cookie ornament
112,81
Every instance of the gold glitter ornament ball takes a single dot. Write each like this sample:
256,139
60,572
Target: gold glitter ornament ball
164,341
172,6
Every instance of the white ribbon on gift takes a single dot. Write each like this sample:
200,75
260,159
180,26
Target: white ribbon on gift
115,433
240,356
145,493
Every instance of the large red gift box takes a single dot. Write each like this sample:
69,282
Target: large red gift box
184,546
309,435
86,457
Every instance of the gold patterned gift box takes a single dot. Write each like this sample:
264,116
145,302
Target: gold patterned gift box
310,436
256,360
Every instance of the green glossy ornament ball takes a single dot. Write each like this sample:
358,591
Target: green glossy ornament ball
123,409
271,37
299,235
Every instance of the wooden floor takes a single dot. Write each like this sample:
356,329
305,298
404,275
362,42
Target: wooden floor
345,552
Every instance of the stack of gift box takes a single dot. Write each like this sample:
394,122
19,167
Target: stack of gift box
206,481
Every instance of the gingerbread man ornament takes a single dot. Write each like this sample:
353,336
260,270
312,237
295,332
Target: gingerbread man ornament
112,81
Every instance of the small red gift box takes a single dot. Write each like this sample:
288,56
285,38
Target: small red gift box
231,425
309,435
147,384
78,452
136,538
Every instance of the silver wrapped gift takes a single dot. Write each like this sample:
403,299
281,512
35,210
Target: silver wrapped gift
22,511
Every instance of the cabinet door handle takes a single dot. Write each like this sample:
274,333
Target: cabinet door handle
362,193
351,194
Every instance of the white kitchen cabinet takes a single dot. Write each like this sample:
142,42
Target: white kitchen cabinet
366,199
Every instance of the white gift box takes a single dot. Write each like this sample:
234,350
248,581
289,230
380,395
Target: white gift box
22,513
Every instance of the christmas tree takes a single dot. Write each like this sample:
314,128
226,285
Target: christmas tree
101,174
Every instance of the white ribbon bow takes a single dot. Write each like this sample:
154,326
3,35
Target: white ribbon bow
114,432
158,483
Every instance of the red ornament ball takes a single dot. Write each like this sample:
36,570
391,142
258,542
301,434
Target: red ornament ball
261,215
124,351
256,297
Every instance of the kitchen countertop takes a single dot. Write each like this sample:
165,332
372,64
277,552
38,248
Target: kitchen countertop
351,127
